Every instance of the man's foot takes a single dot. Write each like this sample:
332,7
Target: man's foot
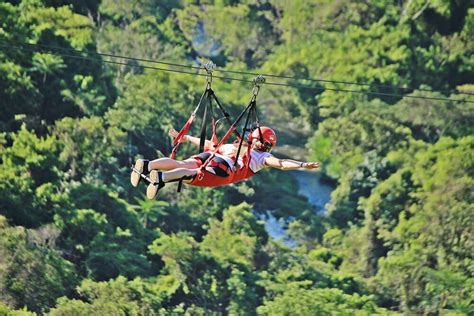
140,167
156,184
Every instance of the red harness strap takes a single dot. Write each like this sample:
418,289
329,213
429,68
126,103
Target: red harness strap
220,165
177,141
204,178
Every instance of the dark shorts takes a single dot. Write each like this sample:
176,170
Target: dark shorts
202,157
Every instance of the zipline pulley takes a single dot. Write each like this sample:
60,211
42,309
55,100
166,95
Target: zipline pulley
257,82
209,67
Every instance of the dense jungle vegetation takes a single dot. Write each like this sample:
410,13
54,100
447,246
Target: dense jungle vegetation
398,234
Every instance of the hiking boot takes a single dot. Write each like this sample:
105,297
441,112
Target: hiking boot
140,167
154,186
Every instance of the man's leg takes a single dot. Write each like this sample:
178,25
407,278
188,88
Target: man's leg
171,164
144,166
160,178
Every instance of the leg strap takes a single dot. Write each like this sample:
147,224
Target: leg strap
143,175
180,181
160,182
145,166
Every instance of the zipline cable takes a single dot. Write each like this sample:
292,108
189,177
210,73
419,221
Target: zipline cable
104,54
235,79
109,61
235,71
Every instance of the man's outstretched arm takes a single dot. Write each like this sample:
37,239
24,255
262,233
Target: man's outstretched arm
289,164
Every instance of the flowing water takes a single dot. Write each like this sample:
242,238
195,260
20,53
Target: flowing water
318,194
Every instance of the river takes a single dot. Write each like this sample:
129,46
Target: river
318,194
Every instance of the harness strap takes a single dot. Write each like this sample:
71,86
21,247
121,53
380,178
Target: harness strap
179,139
213,121
221,165
226,115
257,126
214,134
229,132
251,109
202,137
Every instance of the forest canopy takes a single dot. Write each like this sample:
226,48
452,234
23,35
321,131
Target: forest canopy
395,238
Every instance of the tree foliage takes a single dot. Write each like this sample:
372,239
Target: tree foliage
397,235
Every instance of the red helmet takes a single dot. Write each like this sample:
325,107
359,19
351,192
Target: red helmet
268,135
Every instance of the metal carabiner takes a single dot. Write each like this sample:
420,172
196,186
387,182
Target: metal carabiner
257,81
255,90
209,67
209,80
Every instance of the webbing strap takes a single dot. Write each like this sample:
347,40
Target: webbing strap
179,138
177,141
213,121
214,133
229,132
186,127
226,115
180,186
252,108
202,139
209,94
256,125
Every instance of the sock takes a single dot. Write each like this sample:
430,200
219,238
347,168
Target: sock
145,166
161,182
162,176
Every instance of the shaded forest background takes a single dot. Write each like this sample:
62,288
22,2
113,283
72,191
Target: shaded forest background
76,239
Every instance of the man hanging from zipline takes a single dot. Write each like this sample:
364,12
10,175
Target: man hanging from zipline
218,163
220,170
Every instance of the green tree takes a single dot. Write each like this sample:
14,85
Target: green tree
32,273
106,241
143,30
5,310
115,297
432,236
319,302
237,238
29,172
88,147
431,120
247,37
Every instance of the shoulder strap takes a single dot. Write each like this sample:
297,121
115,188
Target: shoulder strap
179,139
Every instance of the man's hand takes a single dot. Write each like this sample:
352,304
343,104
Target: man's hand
173,133
311,165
